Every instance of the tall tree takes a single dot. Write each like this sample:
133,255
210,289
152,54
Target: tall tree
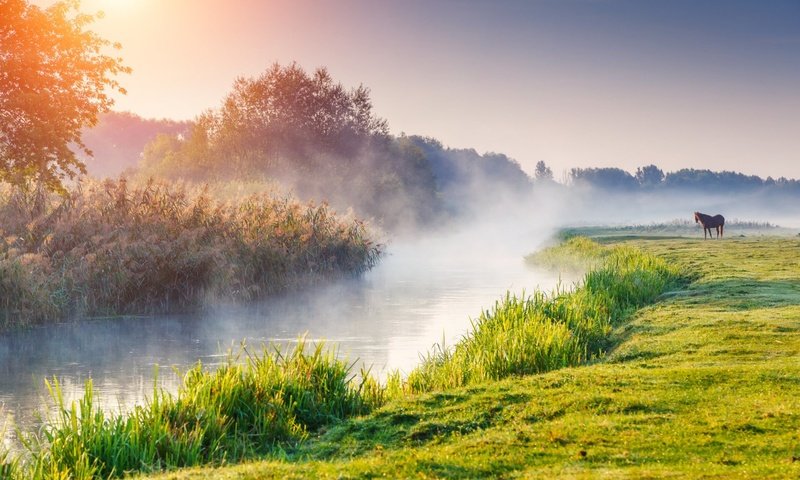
55,78
605,178
543,172
649,176
284,113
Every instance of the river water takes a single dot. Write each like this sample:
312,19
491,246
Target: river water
421,293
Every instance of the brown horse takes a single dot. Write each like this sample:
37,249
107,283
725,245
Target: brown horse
709,222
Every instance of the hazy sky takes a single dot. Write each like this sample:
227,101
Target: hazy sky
702,84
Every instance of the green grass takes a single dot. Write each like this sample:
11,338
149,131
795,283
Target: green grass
269,404
257,404
675,228
702,384
538,333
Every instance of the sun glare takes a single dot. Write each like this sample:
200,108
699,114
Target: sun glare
109,6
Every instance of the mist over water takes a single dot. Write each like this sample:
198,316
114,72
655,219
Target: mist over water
425,290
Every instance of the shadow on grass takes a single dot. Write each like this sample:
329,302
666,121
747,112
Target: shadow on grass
431,419
741,294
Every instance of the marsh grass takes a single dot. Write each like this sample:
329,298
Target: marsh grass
108,248
536,333
256,404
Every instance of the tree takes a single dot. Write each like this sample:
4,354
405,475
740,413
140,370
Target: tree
119,139
649,176
605,178
285,113
54,81
542,172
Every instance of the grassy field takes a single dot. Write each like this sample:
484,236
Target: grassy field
704,383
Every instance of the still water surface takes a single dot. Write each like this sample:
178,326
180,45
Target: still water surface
420,294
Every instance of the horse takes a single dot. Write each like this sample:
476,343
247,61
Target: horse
709,222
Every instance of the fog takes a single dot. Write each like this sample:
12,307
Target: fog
425,290
587,206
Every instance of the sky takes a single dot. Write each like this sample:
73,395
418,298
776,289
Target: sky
574,83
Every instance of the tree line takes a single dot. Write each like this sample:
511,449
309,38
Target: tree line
303,130
652,178
310,133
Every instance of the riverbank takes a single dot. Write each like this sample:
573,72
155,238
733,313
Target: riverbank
702,383
109,248
521,335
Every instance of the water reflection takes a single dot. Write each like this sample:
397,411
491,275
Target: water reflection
384,319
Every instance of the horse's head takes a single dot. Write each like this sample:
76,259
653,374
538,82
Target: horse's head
696,217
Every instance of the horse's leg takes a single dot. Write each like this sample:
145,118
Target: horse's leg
722,230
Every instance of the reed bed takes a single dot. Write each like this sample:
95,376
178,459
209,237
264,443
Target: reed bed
108,248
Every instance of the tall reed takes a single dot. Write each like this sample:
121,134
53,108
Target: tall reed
257,403
109,248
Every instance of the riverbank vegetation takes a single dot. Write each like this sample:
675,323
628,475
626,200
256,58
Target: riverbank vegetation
256,404
271,403
701,384
109,248
538,333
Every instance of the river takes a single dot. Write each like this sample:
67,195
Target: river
421,293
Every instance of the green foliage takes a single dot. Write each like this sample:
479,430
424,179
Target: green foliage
54,81
702,384
108,248
576,254
311,135
119,138
259,404
538,333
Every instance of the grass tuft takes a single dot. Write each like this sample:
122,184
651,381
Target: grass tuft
256,404
539,332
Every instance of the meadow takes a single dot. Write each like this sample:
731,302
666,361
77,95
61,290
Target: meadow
700,384
112,248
